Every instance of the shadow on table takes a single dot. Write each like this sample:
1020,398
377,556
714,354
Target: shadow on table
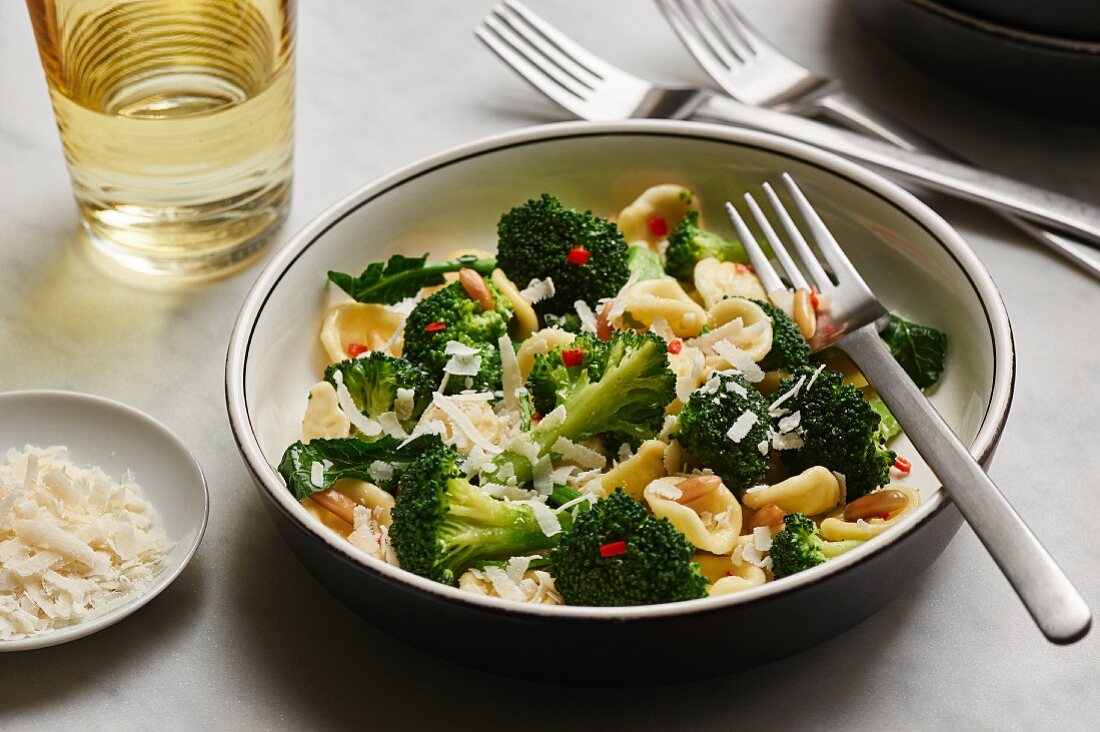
47,677
328,668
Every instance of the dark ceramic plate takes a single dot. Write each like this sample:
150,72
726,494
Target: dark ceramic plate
1063,18
918,264
1042,73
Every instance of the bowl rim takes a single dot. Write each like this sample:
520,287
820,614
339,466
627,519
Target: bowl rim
159,582
270,482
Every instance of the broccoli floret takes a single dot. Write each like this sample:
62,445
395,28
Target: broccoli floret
626,403
689,243
551,381
790,351
443,524
644,263
452,315
618,554
535,241
727,402
373,381
839,430
799,546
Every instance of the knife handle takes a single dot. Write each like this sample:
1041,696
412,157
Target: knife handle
999,192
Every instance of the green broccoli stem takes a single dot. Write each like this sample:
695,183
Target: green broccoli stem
831,549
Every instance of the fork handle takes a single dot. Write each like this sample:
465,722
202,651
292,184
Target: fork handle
839,106
965,181
1052,600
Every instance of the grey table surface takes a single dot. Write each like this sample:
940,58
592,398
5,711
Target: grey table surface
246,639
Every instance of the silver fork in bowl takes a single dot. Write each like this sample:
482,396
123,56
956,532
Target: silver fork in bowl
848,322
751,70
594,89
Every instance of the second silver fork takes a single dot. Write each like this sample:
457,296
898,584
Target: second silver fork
753,71
849,323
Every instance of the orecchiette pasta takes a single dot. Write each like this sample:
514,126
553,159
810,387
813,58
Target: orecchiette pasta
667,201
741,322
837,529
813,491
715,281
323,418
543,341
742,577
526,322
637,471
329,519
367,324
711,521
650,300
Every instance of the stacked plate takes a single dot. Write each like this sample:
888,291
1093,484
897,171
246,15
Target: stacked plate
1044,56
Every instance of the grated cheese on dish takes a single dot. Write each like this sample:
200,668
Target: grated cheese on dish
742,426
538,290
464,361
74,543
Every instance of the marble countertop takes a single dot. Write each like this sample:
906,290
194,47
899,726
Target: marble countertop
247,639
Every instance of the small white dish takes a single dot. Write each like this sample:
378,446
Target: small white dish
116,437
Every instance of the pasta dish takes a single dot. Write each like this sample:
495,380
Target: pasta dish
605,412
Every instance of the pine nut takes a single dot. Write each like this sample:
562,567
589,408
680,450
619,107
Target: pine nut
337,504
474,285
804,315
603,323
880,503
769,515
697,487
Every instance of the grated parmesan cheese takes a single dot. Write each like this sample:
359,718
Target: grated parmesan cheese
74,543
588,318
742,425
538,290
465,360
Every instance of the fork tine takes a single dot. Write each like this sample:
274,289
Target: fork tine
809,259
824,239
742,46
764,270
737,23
701,51
489,32
791,269
581,56
535,38
535,56
732,55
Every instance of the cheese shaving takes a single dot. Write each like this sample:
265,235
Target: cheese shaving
538,290
464,361
74,543
742,426
588,318
511,377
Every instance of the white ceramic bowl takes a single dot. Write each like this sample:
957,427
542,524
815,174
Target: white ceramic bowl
116,437
918,265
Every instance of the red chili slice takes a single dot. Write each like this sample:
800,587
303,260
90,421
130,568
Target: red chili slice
814,299
658,226
356,349
613,549
577,256
435,327
675,346
572,357
902,465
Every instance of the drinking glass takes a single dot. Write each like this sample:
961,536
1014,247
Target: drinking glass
177,121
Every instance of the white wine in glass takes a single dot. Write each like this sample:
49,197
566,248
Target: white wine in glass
177,121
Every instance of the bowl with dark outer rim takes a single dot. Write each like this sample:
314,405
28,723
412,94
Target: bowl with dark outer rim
917,263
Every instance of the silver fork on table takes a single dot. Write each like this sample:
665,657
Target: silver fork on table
753,71
848,323
594,89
